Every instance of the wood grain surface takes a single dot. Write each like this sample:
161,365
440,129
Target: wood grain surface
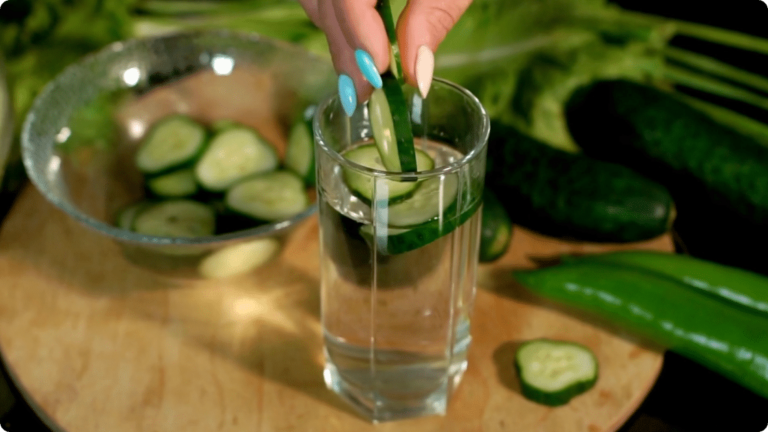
100,345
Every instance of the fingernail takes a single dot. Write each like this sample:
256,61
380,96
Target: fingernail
425,67
368,68
347,94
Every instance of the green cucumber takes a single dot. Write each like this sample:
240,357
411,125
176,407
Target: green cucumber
553,372
572,196
496,232
176,184
658,309
234,154
300,152
717,176
731,284
172,142
269,197
176,218
238,259
368,156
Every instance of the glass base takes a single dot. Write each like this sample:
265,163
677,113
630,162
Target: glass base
396,393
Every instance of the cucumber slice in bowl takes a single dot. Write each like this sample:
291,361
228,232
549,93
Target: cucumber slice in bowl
176,184
172,142
176,218
300,152
127,215
368,156
269,197
234,154
553,372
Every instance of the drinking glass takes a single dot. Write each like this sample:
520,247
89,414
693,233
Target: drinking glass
398,274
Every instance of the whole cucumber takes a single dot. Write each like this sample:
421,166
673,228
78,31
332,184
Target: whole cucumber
496,231
740,287
718,336
717,176
572,196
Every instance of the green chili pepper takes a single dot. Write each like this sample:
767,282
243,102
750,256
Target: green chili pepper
713,333
741,287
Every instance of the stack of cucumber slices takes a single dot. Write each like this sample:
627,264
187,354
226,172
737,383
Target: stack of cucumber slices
206,180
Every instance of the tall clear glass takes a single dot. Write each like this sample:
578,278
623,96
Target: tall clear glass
398,274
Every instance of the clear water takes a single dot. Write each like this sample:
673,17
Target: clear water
396,327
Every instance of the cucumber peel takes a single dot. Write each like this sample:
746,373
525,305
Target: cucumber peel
384,8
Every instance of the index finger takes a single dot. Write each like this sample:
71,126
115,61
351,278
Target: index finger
363,28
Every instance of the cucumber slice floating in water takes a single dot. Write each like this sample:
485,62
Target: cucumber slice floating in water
368,155
553,372
429,201
176,218
268,197
300,153
172,142
232,155
176,184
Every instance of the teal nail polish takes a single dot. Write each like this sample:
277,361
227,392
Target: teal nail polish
347,94
368,68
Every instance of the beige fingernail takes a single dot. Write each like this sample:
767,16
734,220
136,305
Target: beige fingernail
425,66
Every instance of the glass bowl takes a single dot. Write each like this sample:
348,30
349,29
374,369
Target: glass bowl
209,76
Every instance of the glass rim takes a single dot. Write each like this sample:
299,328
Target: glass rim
452,167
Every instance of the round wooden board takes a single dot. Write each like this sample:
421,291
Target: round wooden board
99,345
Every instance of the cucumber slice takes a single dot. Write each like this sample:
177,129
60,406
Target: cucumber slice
234,154
269,197
300,153
391,126
176,218
172,142
430,200
176,184
553,372
239,258
126,216
368,155
401,240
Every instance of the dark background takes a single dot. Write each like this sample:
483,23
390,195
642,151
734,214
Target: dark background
686,397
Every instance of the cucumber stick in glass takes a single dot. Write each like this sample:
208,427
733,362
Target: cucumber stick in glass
704,329
172,142
391,126
553,372
233,154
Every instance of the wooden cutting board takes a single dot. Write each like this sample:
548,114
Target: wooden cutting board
100,345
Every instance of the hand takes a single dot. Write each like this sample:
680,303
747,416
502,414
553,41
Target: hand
360,48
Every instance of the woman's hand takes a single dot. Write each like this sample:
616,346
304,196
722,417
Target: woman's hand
360,48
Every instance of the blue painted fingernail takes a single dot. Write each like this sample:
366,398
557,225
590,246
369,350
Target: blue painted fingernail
368,68
347,94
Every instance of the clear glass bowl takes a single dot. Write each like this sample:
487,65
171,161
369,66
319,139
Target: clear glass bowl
210,76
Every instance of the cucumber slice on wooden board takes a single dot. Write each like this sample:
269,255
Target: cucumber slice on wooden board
176,218
172,142
176,184
239,258
496,232
269,197
369,156
300,152
553,372
232,155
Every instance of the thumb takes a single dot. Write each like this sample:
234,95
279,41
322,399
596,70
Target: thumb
421,28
